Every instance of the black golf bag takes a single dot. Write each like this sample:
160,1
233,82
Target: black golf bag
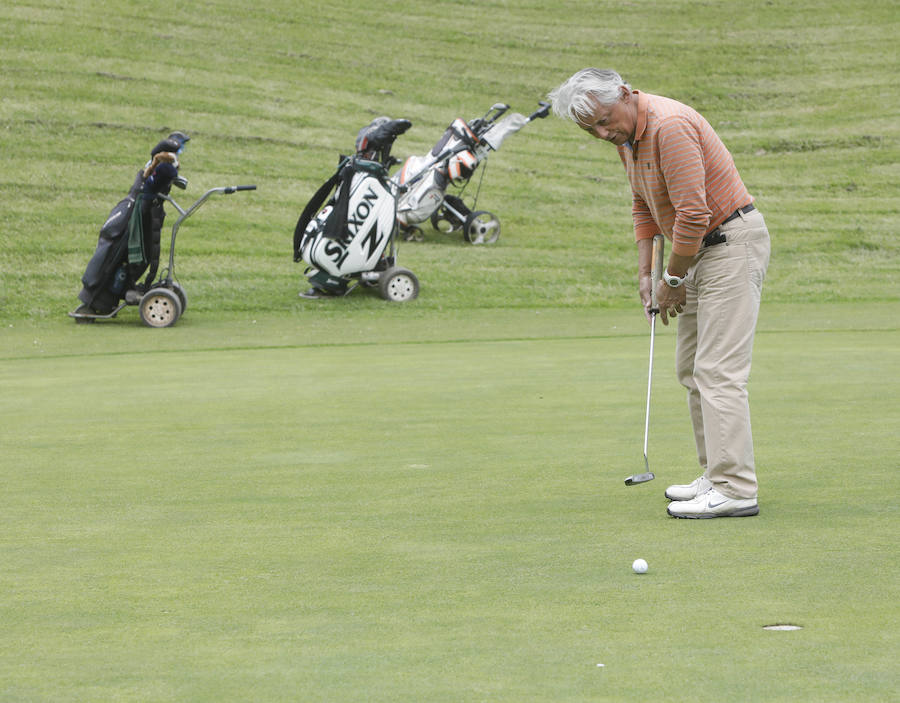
129,241
128,246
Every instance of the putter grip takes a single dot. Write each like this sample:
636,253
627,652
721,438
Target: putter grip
656,270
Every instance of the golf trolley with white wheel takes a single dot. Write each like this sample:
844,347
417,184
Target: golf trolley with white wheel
477,227
398,285
452,162
163,302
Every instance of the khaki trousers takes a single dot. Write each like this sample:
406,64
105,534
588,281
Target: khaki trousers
714,350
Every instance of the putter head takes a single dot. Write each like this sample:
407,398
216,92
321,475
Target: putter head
639,478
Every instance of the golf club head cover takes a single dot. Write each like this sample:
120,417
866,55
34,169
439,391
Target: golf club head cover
181,138
160,173
170,145
158,158
380,134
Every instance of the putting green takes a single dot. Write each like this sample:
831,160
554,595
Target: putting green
433,509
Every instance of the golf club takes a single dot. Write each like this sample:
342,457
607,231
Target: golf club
655,273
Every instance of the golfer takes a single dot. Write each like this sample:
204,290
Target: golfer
685,185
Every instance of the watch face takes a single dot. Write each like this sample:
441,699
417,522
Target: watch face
673,281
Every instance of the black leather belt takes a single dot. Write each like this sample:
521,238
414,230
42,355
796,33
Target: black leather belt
716,236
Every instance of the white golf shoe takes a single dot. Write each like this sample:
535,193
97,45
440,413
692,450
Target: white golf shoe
713,504
689,491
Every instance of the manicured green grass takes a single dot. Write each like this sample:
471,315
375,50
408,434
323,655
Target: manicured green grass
436,514
279,500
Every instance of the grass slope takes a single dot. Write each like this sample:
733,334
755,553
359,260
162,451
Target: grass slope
273,93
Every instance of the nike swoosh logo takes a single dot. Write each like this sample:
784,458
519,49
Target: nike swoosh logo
716,505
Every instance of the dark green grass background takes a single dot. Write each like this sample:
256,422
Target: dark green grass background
275,500
803,94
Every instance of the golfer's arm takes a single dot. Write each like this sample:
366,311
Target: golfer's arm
645,257
682,165
678,264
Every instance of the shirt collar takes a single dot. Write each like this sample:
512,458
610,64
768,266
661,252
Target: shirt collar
641,126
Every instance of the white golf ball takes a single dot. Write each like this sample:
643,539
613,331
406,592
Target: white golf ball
639,566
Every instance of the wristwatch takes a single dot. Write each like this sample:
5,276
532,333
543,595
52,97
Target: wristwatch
672,281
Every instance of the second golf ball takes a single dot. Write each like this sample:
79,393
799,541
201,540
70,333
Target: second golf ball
639,566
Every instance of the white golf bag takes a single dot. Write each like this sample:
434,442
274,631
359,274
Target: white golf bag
366,231
352,239
453,161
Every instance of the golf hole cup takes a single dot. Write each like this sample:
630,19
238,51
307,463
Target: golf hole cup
639,566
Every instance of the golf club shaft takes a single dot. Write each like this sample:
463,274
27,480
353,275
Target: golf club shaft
649,386
655,274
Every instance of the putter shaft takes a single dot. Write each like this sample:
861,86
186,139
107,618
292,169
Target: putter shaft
649,388
655,274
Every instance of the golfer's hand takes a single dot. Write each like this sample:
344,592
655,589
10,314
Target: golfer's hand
671,301
644,284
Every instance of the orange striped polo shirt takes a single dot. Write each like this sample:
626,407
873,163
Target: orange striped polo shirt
683,180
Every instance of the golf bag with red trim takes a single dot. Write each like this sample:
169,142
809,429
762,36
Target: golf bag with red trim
453,161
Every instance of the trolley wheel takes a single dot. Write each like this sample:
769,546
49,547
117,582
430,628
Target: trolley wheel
482,227
444,222
413,234
399,285
160,307
182,296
